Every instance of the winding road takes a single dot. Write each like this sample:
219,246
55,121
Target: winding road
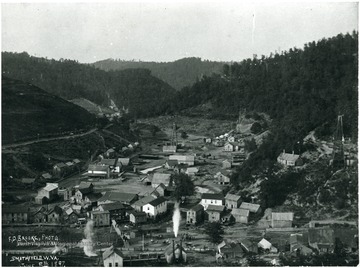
13,145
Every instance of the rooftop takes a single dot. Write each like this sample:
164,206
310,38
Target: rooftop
108,252
289,157
103,168
51,186
161,178
197,207
157,201
233,197
240,212
112,206
215,208
212,196
282,216
143,201
118,196
251,207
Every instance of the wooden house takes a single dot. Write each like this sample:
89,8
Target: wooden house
240,215
214,213
281,219
113,257
232,201
195,214
137,217
290,160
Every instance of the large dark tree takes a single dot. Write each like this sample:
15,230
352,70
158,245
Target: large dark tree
183,186
215,232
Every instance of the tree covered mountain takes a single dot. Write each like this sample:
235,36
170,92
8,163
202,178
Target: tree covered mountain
178,74
29,112
302,89
136,89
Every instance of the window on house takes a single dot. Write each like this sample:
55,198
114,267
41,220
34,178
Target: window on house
116,264
110,264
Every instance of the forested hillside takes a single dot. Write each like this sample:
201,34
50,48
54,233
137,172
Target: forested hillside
29,112
136,89
302,89
178,74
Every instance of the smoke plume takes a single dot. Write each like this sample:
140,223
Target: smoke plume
176,219
88,241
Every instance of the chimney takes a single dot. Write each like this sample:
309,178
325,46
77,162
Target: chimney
180,257
284,151
173,250
293,152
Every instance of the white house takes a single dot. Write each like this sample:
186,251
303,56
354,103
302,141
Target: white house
183,159
211,199
155,207
289,159
113,257
231,147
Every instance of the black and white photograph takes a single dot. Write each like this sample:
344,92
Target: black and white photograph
179,133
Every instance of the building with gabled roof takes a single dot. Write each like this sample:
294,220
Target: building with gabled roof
281,219
183,159
214,213
138,217
192,171
160,178
232,201
253,208
99,171
15,214
211,199
111,162
171,164
46,176
223,177
240,215
125,161
113,257
230,249
226,164
76,161
161,189
289,159
100,218
111,197
138,205
322,239
47,193
195,214
155,207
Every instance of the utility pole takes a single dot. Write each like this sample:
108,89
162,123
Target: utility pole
338,157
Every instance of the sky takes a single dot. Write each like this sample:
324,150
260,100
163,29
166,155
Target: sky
164,31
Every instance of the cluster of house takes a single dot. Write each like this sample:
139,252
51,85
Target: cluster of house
314,240
217,208
84,202
228,141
